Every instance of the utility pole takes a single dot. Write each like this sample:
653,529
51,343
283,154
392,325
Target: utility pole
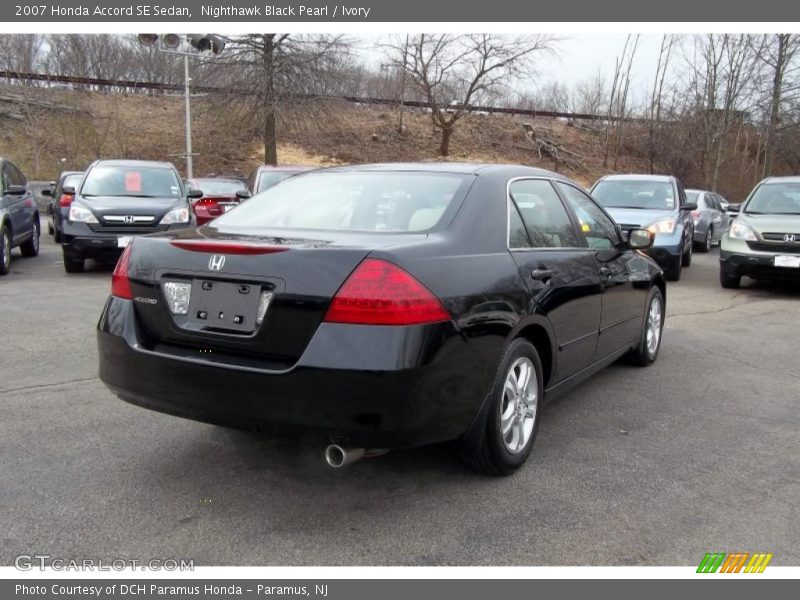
187,92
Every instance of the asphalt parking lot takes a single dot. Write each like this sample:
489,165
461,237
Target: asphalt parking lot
655,466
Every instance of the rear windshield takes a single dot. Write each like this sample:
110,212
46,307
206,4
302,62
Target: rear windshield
343,201
135,181
776,199
635,193
218,186
267,180
72,181
692,196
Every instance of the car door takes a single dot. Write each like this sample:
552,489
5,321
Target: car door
557,268
20,209
624,293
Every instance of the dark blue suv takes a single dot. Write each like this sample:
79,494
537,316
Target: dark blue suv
19,217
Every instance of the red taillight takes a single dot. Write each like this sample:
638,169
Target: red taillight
120,284
695,214
65,200
381,293
208,201
225,247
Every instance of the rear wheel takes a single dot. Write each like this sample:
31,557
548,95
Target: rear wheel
646,352
5,250
73,265
56,235
31,247
673,273
686,257
705,245
730,282
513,420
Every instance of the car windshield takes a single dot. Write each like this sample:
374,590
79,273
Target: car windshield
351,201
780,198
268,179
210,187
131,181
635,193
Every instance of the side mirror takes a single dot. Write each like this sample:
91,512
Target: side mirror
47,193
734,208
194,194
68,189
640,239
15,190
243,195
689,206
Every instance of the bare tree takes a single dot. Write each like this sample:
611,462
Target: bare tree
267,67
778,53
589,96
656,98
451,71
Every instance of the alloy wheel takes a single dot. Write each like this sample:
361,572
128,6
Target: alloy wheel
518,408
654,326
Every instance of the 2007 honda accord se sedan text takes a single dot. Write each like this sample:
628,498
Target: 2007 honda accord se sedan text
385,306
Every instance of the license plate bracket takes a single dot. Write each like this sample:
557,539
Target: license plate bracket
223,306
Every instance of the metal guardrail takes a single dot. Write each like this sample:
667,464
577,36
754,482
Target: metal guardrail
142,85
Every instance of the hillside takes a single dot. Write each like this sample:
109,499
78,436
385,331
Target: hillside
90,125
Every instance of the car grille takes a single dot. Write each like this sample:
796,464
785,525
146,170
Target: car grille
127,229
775,247
778,237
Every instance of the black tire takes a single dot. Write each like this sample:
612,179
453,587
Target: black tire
729,282
57,236
490,454
5,250
73,265
673,273
686,257
644,355
50,229
30,248
705,245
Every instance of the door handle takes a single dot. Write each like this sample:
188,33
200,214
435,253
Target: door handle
542,274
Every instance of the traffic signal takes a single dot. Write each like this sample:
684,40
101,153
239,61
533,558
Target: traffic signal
204,43
171,40
148,39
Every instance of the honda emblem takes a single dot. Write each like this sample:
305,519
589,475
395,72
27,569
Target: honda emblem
128,219
216,262
789,238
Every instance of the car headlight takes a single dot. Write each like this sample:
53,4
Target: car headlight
175,216
740,231
665,226
81,214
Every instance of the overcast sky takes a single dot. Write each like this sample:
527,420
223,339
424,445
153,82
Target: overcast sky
578,58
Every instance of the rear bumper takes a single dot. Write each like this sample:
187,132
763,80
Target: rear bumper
401,391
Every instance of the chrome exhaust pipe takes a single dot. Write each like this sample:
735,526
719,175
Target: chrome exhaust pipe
338,456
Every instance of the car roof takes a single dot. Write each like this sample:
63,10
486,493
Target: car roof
637,177
286,167
135,163
699,191
787,179
462,168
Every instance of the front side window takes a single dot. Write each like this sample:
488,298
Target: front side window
13,175
599,230
352,201
546,220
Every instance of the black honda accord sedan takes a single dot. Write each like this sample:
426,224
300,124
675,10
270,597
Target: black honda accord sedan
385,306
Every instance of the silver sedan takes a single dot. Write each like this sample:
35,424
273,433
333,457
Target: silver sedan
710,218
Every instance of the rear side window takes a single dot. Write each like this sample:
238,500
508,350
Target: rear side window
517,235
374,201
546,220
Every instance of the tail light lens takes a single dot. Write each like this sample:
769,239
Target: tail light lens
381,293
65,200
120,284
